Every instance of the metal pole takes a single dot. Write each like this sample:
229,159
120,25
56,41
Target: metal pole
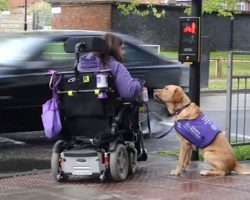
229,95
25,15
195,69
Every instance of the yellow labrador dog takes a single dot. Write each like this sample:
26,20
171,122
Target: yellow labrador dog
216,151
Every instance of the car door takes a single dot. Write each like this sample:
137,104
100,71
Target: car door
156,71
24,85
137,61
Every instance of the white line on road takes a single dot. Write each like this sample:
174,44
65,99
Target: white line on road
7,140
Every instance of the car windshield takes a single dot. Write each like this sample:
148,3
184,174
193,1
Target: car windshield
18,49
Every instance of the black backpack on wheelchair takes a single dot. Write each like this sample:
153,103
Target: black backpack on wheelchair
100,132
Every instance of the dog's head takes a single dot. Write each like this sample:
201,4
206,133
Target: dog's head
173,96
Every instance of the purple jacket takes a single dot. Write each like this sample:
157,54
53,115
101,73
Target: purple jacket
127,86
200,132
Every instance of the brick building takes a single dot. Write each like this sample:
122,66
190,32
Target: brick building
88,14
20,3
82,14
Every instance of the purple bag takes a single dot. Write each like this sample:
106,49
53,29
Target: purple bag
50,111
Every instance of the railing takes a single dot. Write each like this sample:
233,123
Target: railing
220,61
237,105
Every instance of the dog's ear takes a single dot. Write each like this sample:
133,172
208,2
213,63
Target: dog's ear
178,95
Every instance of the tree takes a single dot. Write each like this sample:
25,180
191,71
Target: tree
42,13
226,8
132,7
41,6
3,5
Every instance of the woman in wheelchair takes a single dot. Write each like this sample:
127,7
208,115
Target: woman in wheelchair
117,150
127,86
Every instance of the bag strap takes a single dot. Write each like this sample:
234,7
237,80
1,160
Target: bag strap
54,82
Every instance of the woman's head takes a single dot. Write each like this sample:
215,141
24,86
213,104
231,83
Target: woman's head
115,46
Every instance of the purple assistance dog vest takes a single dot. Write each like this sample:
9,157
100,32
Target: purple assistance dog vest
200,132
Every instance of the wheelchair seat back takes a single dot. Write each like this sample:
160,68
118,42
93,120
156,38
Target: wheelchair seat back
87,110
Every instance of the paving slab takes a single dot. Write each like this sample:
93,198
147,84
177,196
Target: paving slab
151,181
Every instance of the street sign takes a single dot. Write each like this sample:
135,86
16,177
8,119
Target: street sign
189,48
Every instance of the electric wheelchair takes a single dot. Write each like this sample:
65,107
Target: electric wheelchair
100,134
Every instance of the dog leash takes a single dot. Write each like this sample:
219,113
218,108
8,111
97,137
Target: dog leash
164,134
168,131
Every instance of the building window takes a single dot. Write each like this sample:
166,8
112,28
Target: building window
241,6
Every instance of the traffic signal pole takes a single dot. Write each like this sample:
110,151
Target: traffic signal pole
25,15
194,92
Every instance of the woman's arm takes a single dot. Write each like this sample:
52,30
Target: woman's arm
127,86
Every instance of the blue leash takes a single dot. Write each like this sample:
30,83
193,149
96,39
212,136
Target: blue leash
165,133
149,128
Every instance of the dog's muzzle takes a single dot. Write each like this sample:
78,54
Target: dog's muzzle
155,95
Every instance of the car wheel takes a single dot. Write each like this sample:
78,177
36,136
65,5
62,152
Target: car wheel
119,163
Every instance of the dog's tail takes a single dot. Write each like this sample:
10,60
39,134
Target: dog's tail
241,170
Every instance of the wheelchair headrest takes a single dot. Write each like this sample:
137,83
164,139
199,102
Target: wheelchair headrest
84,44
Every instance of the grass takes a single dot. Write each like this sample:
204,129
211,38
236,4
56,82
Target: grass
240,68
241,153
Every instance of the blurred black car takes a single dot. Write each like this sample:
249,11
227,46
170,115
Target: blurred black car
25,59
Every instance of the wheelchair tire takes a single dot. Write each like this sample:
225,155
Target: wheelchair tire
119,163
132,162
55,168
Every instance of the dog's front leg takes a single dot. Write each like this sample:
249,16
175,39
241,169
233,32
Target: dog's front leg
184,157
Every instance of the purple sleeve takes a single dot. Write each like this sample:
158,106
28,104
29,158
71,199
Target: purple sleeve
127,86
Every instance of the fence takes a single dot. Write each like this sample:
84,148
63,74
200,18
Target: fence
237,105
219,64
14,21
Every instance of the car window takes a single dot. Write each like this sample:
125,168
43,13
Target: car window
14,50
54,51
135,57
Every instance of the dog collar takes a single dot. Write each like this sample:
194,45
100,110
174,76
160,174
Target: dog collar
179,110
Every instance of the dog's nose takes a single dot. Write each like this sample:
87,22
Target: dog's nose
156,90
155,93
155,96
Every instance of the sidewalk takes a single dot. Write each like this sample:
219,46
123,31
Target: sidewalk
152,181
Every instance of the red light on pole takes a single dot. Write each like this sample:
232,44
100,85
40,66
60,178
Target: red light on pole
189,50
190,29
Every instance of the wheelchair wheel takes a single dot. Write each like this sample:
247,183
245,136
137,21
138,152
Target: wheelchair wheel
55,167
119,163
132,162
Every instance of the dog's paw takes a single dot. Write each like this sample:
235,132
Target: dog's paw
204,172
175,172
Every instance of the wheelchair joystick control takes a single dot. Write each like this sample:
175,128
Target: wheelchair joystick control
102,84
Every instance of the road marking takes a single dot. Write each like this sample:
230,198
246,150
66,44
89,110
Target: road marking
7,140
240,136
